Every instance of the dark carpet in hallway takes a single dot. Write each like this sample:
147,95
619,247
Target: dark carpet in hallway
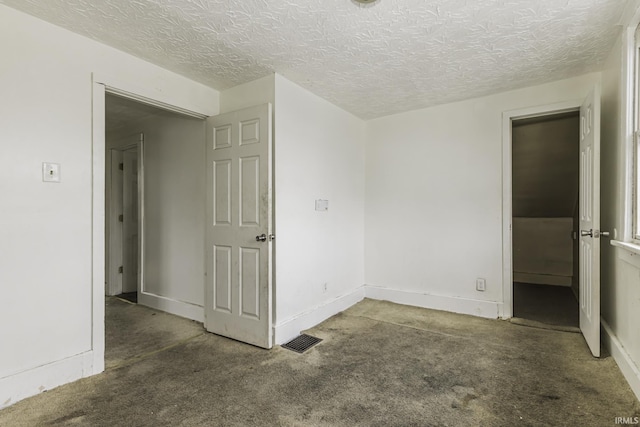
551,305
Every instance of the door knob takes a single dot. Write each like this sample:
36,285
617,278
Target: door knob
261,238
598,233
594,233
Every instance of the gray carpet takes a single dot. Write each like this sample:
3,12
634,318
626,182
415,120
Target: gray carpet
379,364
552,305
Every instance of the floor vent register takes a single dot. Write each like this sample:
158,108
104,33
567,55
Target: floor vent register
301,343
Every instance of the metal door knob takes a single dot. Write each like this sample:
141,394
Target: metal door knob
261,238
594,233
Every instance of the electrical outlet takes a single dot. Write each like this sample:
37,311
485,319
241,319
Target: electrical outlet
51,172
481,284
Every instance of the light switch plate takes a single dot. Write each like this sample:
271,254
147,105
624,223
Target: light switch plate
50,172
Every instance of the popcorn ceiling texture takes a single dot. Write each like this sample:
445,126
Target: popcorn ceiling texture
396,56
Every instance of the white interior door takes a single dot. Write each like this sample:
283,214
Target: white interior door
590,220
130,232
239,240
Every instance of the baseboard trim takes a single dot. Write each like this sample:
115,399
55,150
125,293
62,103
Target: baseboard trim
291,328
179,308
46,377
627,366
486,309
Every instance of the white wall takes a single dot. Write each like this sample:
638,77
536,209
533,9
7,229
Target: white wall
257,92
174,178
319,154
46,229
620,284
433,212
174,210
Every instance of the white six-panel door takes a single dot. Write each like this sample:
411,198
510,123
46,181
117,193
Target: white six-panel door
590,220
239,226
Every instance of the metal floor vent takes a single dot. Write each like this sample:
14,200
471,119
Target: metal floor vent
302,343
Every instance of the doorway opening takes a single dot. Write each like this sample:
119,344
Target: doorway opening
154,222
123,206
545,219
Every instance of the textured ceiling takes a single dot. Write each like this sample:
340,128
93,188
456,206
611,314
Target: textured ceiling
394,56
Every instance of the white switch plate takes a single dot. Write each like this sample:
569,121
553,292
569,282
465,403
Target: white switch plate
322,205
481,285
51,172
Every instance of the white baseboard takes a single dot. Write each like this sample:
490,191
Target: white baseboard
291,328
46,377
487,309
179,308
627,366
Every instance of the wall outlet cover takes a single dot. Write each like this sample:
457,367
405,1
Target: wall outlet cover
50,172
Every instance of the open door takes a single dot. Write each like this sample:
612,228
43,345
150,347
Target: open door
239,226
590,220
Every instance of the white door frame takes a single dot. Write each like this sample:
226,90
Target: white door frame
113,228
170,98
115,245
505,310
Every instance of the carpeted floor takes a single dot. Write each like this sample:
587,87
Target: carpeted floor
379,364
129,296
552,305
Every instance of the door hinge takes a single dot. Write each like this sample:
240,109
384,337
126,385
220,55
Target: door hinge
121,218
120,269
121,166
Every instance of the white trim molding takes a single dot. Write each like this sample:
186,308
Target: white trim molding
46,377
98,175
193,103
626,364
290,328
506,307
479,308
168,305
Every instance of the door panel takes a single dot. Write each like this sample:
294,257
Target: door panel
250,191
222,186
250,282
590,220
222,278
238,285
